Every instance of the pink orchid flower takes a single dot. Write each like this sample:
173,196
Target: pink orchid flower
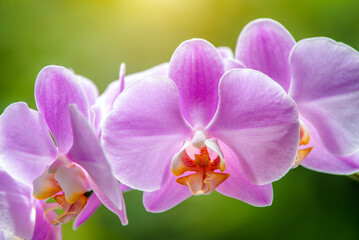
21,214
322,76
76,165
199,131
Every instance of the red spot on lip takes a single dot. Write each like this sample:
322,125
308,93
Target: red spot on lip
187,161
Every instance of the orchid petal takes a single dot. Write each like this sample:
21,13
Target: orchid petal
26,147
44,229
264,45
92,205
120,212
259,122
170,194
143,132
231,64
88,153
125,188
160,70
90,89
239,187
325,86
320,159
16,207
196,67
55,88
226,52
105,102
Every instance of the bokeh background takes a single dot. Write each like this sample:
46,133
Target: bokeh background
94,37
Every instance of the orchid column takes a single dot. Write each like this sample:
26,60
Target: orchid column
201,130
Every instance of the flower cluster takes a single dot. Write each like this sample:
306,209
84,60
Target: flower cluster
209,120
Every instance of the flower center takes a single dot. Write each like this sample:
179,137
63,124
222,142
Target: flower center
67,184
205,180
304,140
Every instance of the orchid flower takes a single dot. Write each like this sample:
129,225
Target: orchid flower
70,170
322,76
199,131
21,214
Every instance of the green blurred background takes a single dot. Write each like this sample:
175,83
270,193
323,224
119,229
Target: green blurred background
94,37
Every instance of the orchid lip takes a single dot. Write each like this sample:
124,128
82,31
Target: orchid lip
67,184
205,179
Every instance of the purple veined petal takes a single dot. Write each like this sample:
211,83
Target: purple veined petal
167,197
88,153
196,67
239,187
226,52
44,229
90,89
258,121
143,132
264,45
17,212
26,147
55,88
97,119
160,70
321,160
91,206
325,86
231,64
